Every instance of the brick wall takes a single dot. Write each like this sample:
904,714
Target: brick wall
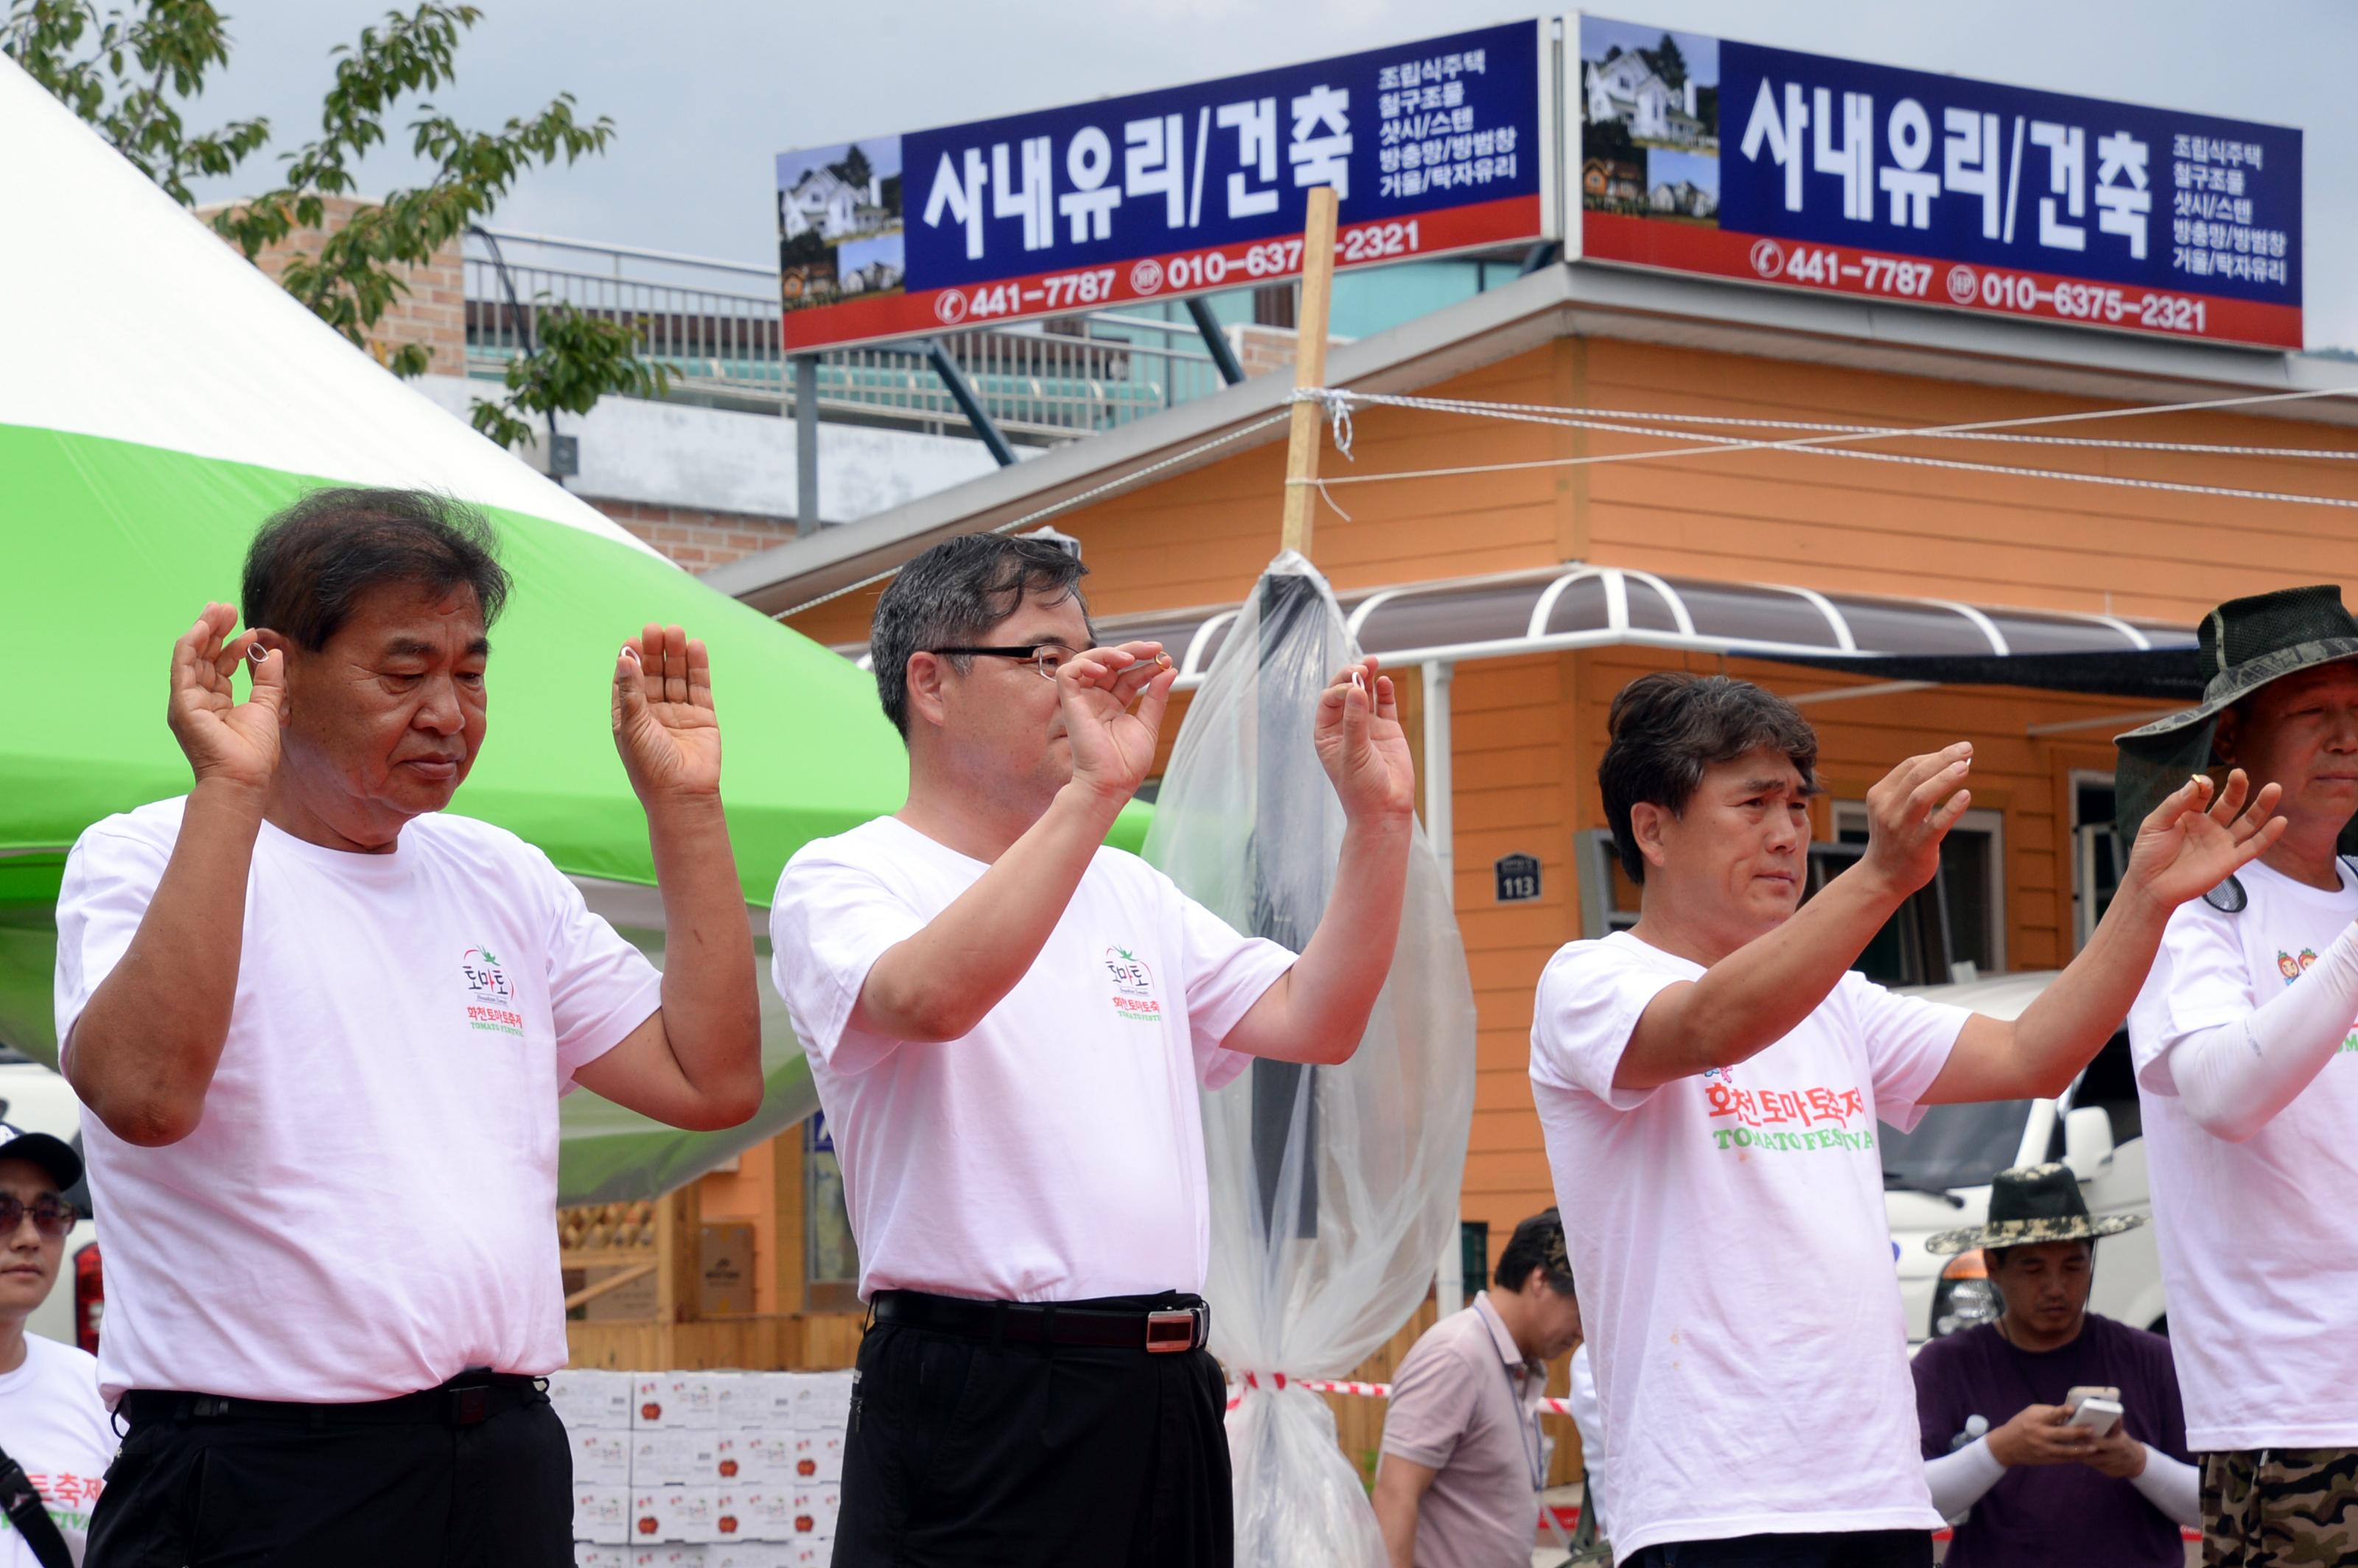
697,539
433,312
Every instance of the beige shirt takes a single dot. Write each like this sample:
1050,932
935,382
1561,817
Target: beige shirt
1465,1404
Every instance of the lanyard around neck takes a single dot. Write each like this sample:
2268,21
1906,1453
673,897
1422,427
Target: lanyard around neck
1526,1428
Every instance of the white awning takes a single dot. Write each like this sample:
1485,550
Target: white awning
1569,608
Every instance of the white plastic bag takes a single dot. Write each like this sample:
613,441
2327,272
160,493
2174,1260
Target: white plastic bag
1333,1189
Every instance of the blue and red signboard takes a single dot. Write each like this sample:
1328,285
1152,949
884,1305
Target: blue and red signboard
1444,145
1704,155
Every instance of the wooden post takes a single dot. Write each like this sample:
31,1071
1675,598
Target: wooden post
679,1254
1309,366
786,1159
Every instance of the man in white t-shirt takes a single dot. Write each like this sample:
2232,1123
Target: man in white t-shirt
319,1030
2247,1070
1007,1024
54,1440
1709,1083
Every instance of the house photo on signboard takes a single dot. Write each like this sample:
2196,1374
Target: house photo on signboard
1649,133
839,222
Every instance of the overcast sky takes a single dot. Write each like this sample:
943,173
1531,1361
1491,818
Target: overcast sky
706,93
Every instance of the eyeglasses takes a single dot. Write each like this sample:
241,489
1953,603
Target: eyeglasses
1048,656
52,1216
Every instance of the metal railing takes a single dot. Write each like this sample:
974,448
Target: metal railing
714,326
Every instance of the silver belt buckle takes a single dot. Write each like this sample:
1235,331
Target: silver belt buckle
1167,1332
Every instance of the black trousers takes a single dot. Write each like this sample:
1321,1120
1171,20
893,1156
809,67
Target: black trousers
1830,1549
231,1493
1050,1456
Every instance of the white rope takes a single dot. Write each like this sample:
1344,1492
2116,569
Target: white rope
1820,445
1544,414
1337,403
1041,514
1541,414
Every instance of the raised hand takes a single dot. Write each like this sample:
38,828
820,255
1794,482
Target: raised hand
1911,810
1361,745
2190,843
225,739
1113,745
664,726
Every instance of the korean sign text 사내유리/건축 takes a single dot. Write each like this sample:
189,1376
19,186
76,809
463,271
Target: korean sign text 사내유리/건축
1429,148
1706,155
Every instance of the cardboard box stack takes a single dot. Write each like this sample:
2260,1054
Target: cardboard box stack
704,1469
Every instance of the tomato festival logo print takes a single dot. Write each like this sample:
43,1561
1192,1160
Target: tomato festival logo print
2292,968
1789,1120
491,994
1134,987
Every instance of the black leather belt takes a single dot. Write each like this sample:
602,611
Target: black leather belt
1185,1325
468,1400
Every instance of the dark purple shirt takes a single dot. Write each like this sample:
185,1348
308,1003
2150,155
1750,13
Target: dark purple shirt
2060,1514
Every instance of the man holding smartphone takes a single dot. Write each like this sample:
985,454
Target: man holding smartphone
2073,1444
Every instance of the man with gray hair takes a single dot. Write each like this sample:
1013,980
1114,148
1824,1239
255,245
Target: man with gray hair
1008,1023
320,1027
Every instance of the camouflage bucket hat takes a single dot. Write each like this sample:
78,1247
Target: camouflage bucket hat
2032,1204
2240,646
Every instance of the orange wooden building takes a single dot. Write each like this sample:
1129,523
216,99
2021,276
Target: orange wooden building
1520,599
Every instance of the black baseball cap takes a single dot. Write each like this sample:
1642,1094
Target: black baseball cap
51,1155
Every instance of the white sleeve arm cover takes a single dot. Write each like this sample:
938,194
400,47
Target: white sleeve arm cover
2234,1076
2171,1486
1958,1479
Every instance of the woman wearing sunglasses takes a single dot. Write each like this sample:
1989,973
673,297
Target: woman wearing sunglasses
55,1441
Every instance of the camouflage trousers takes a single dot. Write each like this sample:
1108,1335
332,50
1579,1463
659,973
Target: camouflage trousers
2280,1507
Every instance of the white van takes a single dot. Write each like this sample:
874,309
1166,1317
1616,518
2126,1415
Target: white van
1938,1177
38,1101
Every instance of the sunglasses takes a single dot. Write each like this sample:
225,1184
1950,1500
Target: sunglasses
52,1216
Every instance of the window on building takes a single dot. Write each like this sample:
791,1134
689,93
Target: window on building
2097,853
1273,305
830,1257
1951,929
1954,927
1608,898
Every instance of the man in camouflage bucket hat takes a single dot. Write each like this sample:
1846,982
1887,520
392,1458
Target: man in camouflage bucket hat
2247,1071
2024,1485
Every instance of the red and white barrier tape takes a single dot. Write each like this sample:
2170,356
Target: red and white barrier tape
1384,1390
1344,1386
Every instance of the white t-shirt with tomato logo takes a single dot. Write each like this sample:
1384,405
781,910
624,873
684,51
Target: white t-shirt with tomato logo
1729,1235
2258,1257
51,1424
364,1210
1056,1152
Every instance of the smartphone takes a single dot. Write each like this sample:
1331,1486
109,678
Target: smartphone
2089,1392
2100,1415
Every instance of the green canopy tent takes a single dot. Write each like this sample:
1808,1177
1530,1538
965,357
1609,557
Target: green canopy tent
164,397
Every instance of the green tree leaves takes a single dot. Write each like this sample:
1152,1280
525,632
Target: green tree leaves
131,69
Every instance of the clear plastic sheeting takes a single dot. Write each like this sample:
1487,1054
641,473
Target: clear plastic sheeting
1333,1189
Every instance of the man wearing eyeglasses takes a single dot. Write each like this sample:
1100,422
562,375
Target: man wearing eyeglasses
1007,1024
55,1443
